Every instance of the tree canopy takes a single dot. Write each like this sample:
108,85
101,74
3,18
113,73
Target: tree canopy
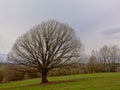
49,45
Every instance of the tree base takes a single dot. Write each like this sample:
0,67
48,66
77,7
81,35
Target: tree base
44,81
44,78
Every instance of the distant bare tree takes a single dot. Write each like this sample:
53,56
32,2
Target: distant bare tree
92,63
46,46
104,53
114,56
107,57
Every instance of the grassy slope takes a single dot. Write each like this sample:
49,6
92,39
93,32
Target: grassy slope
2,67
99,81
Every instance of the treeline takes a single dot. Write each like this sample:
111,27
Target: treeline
13,72
107,59
104,60
20,72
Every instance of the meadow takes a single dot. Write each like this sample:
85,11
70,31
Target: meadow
96,81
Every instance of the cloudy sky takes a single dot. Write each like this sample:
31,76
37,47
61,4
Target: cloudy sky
96,22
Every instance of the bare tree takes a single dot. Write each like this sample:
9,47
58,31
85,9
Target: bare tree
92,62
107,57
114,56
104,53
46,46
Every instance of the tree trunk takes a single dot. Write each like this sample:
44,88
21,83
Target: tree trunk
44,77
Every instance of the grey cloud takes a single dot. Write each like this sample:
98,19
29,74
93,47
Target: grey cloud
85,16
111,31
114,37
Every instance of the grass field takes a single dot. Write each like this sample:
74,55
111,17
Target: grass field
98,81
2,67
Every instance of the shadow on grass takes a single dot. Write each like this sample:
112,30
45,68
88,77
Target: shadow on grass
48,83
64,81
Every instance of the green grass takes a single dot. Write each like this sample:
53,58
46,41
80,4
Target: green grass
2,67
98,81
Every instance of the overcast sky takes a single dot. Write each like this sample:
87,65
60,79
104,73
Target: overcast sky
96,22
